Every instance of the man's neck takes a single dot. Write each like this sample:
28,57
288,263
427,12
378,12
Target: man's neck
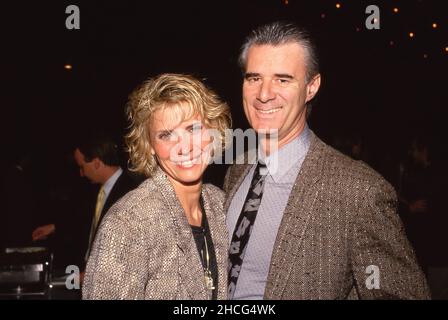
270,145
108,172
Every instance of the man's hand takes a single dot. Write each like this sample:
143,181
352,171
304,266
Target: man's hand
42,232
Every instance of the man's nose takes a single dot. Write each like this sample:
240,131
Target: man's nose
266,92
81,173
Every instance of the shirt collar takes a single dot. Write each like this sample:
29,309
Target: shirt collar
111,181
280,162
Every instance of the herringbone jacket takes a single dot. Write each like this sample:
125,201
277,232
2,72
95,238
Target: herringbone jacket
339,230
145,248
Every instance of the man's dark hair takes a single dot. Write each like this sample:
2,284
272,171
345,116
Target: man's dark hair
279,33
102,147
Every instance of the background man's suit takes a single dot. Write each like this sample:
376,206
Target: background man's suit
125,183
77,227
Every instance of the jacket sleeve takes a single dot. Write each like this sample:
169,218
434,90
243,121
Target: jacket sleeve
383,261
116,268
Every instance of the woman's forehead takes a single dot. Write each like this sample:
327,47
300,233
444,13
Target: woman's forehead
170,117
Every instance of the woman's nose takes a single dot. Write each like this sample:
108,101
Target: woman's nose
185,143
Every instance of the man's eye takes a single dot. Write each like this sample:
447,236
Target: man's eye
253,79
283,81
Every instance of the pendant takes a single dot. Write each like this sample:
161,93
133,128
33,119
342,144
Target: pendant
208,280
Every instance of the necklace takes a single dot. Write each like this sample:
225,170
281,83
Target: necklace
200,235
207,273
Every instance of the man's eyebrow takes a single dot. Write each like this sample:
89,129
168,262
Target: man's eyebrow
277,75
283,75
251,74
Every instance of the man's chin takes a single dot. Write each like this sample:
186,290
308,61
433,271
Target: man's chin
266,130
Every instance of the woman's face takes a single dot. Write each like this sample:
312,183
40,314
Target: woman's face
182,148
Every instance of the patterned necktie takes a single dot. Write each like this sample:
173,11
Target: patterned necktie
243,227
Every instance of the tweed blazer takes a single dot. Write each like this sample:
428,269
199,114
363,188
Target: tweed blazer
144,248
340,219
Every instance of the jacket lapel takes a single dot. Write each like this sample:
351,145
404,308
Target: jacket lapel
190,266
219,237
295,219
239,172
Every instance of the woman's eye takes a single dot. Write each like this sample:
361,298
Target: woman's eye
165,136
196,128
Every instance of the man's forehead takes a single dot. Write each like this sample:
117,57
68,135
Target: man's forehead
77,153
281,56
282,48
79,158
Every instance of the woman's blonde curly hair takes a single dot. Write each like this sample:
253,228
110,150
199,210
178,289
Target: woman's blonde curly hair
166,91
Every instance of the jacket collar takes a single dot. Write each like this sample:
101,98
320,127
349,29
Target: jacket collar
190,266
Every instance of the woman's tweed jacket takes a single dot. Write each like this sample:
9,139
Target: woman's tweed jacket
145,248
340,219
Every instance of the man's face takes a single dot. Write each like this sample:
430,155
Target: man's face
275,91
86,169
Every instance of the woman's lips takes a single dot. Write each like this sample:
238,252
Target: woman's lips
188,163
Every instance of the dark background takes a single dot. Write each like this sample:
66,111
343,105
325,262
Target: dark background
387,94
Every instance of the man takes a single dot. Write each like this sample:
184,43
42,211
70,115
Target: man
320,225
98,161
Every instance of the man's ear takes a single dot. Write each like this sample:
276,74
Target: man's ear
97,163
312,87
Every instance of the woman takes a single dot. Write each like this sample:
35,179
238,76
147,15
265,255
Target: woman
166,239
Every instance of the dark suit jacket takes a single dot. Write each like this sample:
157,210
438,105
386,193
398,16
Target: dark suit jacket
73,227
125,183
340,219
